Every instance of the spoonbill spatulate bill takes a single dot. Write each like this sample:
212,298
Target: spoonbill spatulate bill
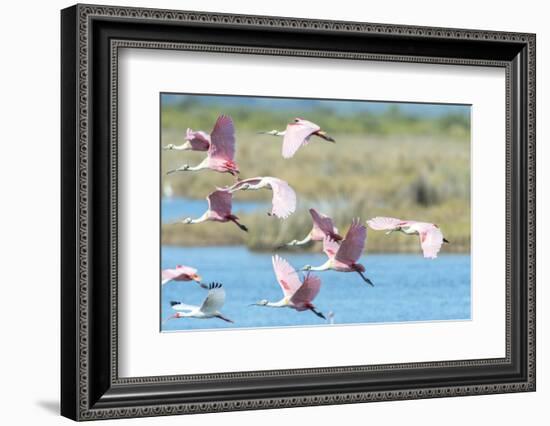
343,257
210,307
297,294
431,237
194,141
181,273
221,152
284,197
219,210
298,134
322,226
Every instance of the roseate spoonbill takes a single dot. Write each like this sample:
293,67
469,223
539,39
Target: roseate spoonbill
297,294
431,237
343,257
181,273
284,197
210,308
297,134
219,210
194,141
322,226
221,153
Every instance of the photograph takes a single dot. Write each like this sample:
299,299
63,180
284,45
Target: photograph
297,212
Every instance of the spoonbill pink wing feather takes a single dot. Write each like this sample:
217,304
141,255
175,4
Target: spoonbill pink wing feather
238,185
296,135
219,203
222,139
431,239
199,140
323,224
352,246
330,247
180,273
284,198
286,275
307,291
385,223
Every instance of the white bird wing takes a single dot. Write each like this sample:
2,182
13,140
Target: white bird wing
214,300
431,240
179,306
296,135
284,198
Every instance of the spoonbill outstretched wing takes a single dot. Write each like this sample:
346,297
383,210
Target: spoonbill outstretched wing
286,275
297,295
284,197
297,134
343,257
219,210
431,237
181,273
194,141
221,151
322,226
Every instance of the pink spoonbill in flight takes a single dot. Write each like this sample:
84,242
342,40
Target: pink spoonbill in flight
181,273
221,153
194,141
210,307
284,197
297,294
219,210
297,134
322,226
431,237
343,257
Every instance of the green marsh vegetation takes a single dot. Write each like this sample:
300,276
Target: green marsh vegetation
389,163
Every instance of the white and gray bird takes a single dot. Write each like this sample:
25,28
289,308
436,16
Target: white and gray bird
210,307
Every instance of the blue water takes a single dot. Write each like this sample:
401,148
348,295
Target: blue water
407,288
177,208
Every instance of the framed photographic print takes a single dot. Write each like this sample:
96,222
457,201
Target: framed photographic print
264,212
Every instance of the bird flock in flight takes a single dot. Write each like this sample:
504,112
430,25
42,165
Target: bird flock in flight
343,252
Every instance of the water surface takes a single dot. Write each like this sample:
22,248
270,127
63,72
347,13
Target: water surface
407,288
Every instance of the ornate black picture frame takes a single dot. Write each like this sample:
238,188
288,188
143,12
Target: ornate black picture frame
91,36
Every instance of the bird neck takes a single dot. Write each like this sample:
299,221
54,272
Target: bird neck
322,267
301,242
201,219
281,303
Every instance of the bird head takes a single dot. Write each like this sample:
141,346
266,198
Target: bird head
187,220
196,277
245,187
169,147
175,316
306,268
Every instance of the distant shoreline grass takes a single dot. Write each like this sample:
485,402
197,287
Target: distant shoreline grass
417,169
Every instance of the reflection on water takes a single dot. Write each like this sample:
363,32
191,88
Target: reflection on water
407,288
